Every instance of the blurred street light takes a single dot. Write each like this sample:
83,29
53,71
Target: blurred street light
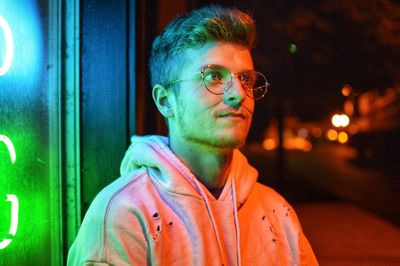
342,137
340,120
346,90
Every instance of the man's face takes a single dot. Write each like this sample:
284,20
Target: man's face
221,121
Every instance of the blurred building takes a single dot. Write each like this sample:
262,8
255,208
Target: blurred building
378,111
378,127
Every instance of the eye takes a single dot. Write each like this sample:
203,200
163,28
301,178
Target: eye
248,79
213,75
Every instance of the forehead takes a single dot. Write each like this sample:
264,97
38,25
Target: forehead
235,58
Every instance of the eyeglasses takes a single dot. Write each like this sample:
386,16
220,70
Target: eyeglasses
218,79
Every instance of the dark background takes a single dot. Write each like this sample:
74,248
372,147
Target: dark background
338,43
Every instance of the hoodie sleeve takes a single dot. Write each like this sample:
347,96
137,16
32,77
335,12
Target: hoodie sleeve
111,234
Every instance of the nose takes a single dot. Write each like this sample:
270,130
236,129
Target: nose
235,94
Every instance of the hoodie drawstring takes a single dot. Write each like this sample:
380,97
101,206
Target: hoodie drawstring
235,214
211,215
205,198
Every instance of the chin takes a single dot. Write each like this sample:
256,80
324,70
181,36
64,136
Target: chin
222,142
233,142
234,138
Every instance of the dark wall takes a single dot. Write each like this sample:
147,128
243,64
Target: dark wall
116,100
104,92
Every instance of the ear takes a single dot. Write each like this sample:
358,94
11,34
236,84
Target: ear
161,97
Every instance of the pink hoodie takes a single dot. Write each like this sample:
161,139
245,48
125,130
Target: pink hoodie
158,213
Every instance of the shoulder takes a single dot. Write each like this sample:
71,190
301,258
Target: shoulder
116,200
271,202
119,188
129,196
113,196
267,194
112,210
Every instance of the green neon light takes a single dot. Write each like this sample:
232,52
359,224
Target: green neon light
14,221
10,146
9,46
10,197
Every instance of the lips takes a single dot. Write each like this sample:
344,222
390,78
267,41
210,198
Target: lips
233,114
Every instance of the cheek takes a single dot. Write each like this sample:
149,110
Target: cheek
249,105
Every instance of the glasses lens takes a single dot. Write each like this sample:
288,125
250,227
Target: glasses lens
216,79
254,83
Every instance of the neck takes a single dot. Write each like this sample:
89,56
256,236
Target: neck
211,165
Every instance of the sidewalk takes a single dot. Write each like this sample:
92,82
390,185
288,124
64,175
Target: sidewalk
345,235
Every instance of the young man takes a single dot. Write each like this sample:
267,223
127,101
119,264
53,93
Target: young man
192,198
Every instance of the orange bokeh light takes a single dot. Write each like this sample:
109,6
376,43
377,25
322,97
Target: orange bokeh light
331,134
342,137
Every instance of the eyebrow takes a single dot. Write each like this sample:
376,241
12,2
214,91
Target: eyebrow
221,66
211,65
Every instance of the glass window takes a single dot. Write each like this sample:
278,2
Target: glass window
29,130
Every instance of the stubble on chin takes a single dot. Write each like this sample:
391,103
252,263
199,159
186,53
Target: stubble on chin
217,141
215,137
220,143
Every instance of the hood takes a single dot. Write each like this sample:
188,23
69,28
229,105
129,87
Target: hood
172,174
